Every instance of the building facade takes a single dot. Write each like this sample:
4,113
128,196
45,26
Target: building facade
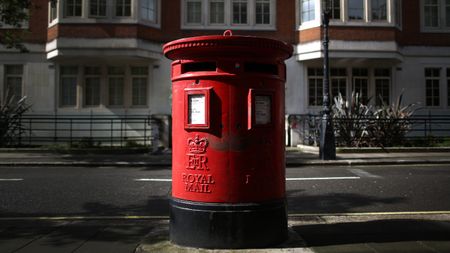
104,57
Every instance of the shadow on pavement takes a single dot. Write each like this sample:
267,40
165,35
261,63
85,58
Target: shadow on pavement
75,236
379,231
334,203
154,206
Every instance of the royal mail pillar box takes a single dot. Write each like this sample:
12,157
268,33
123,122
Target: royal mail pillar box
228,168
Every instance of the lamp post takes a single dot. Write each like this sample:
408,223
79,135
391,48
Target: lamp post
327,149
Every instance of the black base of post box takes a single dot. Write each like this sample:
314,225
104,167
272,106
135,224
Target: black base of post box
227,226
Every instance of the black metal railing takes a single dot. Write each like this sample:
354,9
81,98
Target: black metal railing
88,130
421,129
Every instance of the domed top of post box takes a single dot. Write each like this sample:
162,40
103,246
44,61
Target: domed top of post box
227,45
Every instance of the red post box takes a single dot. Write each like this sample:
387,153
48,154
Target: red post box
228,175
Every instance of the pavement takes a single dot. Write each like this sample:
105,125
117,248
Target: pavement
321,233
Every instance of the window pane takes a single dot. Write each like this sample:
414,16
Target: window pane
308,10
92,91
448,87
116,90
315,82
69,70
432,92
68,91
447,13
431,13
336,9
382,72
355,9
73,8
148,10
379,10
97,8
116,70
13,88
216,12
338,85
382,91
239,12
360,87
194,12
14,69
398,12
139,70
123,8
53,12
263,12
139,91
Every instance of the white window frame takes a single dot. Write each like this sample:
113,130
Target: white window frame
312,12
110,17
263,13
391,20
53,19
340,78
85,89
116,3
225,18
355,82
387,78
318,79
205,23
185,17
139,76
241,22
65,10
442,16
111,76
98,8
448,86
76,76
365,8
371,13
7,75
433,96
147,10
398,13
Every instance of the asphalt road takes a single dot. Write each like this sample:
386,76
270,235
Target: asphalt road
108,191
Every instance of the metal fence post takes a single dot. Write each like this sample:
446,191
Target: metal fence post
112,133
70,131
30,124
55,129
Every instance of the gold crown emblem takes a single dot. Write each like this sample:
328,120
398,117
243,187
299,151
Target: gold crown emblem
197,145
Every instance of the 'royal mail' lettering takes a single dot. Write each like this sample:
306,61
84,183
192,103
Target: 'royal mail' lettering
198,183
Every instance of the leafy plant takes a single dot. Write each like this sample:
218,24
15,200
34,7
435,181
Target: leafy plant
359,125
392,123
10,119
352,121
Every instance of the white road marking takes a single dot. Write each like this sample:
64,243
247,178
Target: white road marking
153,180
363,173
321,178
11,179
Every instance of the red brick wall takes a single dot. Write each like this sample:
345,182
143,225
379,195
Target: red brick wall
411,34
37,32
171,27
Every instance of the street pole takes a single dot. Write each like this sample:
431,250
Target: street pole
327,149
